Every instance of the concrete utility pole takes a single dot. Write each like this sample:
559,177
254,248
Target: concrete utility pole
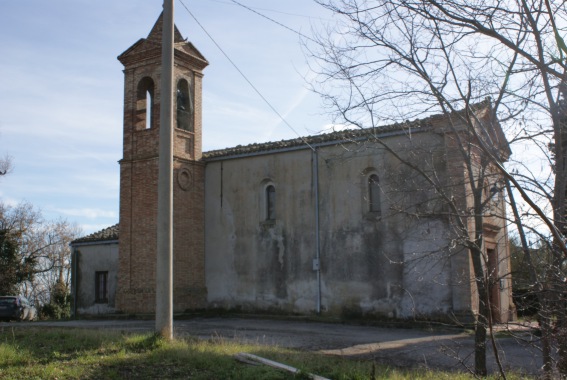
164,269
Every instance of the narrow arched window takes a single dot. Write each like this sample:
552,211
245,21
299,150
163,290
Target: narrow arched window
184,106
374,194
149,107
145,104
270,203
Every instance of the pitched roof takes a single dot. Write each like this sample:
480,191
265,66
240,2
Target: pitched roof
349,135
156,33
107,234
337,137
150,48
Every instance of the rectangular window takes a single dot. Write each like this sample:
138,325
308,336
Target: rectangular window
101,287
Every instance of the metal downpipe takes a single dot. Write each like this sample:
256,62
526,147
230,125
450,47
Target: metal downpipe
317,261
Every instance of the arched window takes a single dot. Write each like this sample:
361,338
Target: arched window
270,203
184,106
145,104
374,194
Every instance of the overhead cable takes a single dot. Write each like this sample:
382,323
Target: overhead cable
274,21
245,78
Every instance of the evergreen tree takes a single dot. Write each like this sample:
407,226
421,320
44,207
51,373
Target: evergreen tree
13,271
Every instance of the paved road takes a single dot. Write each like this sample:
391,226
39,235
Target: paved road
448,349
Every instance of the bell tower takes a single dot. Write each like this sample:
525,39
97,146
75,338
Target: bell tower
139,176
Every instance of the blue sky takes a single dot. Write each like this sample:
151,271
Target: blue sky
61,90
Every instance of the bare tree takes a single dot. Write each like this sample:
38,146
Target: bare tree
35,254
6,165
390,61
54,268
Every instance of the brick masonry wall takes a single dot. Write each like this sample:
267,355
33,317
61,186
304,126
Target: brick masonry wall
138,190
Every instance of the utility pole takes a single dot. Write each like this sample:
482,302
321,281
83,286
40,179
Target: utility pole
164,268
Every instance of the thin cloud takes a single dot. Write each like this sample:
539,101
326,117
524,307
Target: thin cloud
89,213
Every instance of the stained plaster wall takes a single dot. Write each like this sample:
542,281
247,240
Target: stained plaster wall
388,265
87,260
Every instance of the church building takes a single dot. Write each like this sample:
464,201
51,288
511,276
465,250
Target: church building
346,224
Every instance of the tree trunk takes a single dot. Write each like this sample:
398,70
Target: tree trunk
482,317
480,336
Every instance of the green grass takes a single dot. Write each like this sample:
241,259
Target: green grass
34,353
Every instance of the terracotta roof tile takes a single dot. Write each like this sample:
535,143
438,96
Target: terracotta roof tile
110,233
337,137
333,137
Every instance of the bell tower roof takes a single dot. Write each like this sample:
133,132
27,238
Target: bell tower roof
150,48
156,33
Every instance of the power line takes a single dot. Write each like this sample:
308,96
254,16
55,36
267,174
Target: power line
244,76
274,21
274,11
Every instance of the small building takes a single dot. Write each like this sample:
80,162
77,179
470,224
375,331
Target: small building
94,272
350,223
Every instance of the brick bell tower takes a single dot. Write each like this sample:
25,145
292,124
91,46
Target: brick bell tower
139,176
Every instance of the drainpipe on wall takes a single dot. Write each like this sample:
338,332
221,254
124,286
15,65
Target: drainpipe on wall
74,259
317,260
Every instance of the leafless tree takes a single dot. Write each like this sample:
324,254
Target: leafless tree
390,61
6,165
54,268
40,252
